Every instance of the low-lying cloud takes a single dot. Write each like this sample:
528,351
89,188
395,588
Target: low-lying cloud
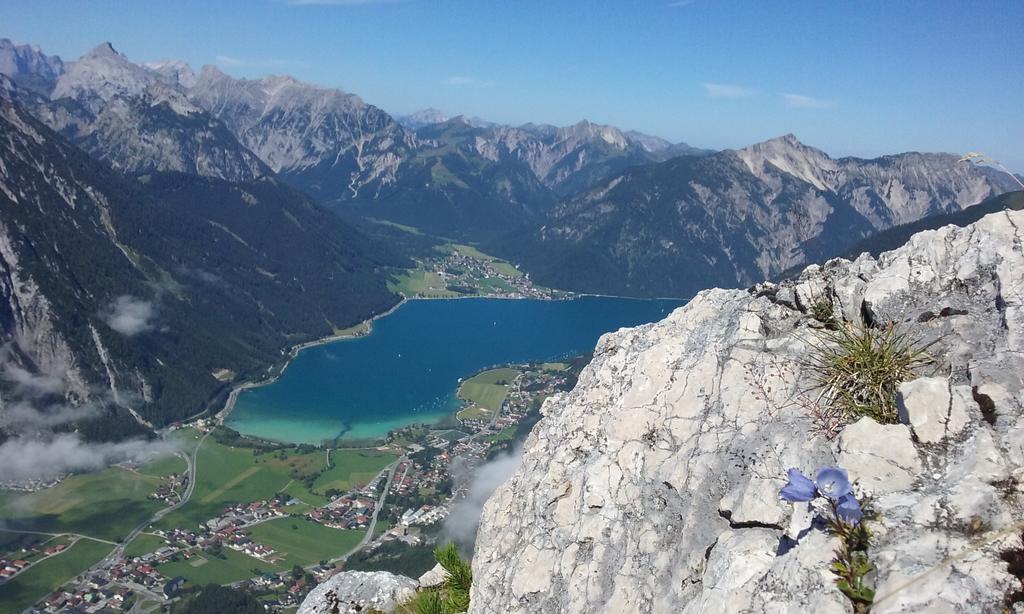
27,383
461,524
26,458
129,315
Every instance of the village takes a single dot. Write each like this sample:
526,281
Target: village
420,490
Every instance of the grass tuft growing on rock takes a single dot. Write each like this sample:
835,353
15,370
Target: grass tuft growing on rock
860,369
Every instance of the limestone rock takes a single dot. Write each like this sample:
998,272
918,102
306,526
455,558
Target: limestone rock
880,458
359,591
924,406
434,577
651,487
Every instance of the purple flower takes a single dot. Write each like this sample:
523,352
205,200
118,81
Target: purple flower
833,483
800,488
848,509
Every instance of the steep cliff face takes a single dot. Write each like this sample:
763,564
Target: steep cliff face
653,485
325,141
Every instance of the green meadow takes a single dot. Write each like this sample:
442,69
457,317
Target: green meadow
227,475
352,468
144,543
484,389
304,542
204,568
105,504
50,574
165,466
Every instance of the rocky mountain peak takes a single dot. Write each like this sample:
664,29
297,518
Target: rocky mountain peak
174,72
103,50
648,142
29,66
587,130
424,117
103,74
788,155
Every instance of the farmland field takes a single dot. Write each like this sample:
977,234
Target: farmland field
106,504
144,543
164,466
228,475
307,543
352,468
48,575
485,390
233,567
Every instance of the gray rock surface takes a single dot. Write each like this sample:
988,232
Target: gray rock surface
359,591
651,487
434,577
933,409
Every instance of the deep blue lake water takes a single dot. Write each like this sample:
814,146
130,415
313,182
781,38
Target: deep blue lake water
408,369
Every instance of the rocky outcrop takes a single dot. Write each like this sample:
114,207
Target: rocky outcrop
653,485
350,592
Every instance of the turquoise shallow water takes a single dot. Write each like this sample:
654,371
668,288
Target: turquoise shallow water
407,370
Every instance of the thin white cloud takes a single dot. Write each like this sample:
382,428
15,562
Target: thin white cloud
227,61
129,315
722,90
462,80
799,101
680,3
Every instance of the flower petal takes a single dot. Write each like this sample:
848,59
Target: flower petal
849,510
833,483
800,488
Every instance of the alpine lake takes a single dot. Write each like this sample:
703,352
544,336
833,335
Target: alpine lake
408,369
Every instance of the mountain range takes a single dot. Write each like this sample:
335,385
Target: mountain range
224,219
737,216
153,292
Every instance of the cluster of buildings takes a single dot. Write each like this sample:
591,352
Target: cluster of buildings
32,484
459,270
93,596
170,491
132,572
244,544
412,477
243,515
9,569
425,515
14,562
290,590
348,511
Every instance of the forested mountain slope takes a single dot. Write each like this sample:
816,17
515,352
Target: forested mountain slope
736,217
136,292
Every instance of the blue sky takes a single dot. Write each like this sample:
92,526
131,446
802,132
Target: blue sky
853,78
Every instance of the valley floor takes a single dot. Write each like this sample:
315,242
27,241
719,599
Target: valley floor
270,518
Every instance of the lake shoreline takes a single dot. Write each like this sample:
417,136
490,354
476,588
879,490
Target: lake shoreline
293,353
363,329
